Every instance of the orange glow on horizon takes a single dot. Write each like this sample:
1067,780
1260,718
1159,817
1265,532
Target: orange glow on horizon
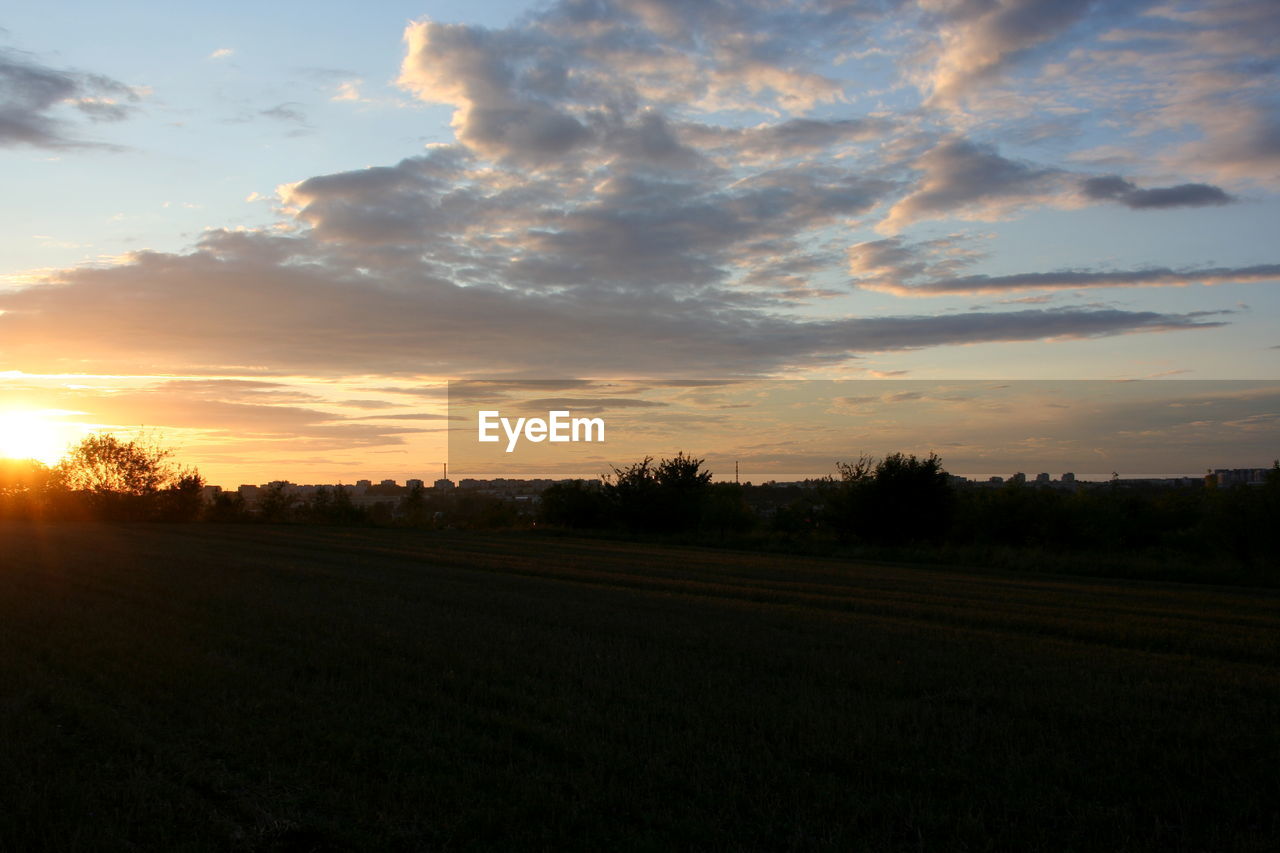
37,434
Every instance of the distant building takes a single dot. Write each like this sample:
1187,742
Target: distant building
443,485
1042,478
361,485
996,481
391,483
1239,476
1018,478
1068,477
413,484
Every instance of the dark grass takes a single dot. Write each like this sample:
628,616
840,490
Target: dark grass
292,688
1204,565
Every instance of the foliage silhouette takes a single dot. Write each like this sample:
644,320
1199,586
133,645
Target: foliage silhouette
105,476
895,500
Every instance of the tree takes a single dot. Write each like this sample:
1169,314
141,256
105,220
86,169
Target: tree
104,464
183,499
573,505
275,503
898,499
331,506
725,509
631,493
682,492
913,499
135,479
666,496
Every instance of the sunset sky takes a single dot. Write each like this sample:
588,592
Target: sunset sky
273,231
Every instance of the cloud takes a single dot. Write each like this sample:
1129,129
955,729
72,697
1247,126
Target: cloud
635,188
642,227
348,90
222,409
980,40
794,137
1190,85
32,98
287,112
1116,188
930,269
283,303
582,78
892,259
591,405
1241,141
501,86
971,180
222,53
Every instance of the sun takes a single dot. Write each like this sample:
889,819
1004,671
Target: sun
36,434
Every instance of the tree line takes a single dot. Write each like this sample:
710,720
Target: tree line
103,477
900,501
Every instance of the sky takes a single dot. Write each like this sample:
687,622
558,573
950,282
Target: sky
272,232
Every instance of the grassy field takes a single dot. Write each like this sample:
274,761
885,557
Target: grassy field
291,688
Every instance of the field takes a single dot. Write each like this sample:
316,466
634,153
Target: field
249,687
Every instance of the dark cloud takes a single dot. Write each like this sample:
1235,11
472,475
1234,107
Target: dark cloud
287,112
927,269
416,200
1246,143
639,228
933,267
1116,188
971,179
894,260
32,95
242,302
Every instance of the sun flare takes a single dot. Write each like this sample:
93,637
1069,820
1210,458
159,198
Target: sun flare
40,435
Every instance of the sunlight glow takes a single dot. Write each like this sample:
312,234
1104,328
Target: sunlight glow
37,434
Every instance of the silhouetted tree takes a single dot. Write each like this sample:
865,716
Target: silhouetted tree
183,499
275,503
226,506
664,497
414,510
682,489
631,493
105,464
896,500
134,479
574,505
913,499
725,510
